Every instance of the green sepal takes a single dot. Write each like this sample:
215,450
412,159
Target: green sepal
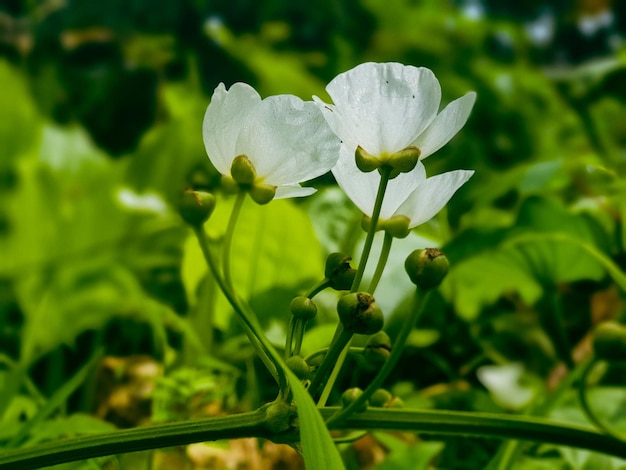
262,193
242,170
365,161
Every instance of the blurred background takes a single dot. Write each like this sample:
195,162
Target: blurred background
101,105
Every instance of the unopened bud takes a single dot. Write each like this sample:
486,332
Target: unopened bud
338,271
299,367
395,402
380,398
359,313
350,396
609,341
427,267
377,350
195,207
303,308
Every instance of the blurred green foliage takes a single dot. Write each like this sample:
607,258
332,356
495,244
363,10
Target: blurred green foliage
100,124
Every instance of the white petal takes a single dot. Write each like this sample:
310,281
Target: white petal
283,192
430,196
223,120
361,187
382,107
288,141
446,125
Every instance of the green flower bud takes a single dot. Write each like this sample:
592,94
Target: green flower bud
366,162
195,207
262,193
380,398
359,313
395,402
338,271
303,308
299,367
350,396
609,341
377,350
427,267
242,170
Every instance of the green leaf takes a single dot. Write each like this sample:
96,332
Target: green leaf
19,122
274,249
416,456
59,397
320,452
81,297
543,247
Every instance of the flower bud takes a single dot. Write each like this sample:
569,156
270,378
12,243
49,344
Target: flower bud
262,193
299,367
303,308
359,313
380,398
364,161
350,396
609,341
338,271
242,170
395,402
377,350
195,207
427,267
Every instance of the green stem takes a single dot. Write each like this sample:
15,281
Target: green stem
316,289
257,424
330,359
396,351
330,383
367,247
249,323
153,437
289,340
298,336
588,410
319,352
382,262
228,237
492,425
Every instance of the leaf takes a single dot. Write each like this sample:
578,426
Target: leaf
19,122
543,247
274,249
59,397
80,297
416,456
320,452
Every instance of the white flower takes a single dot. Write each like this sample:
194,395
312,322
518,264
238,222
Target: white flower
387,108
285,139
411,195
